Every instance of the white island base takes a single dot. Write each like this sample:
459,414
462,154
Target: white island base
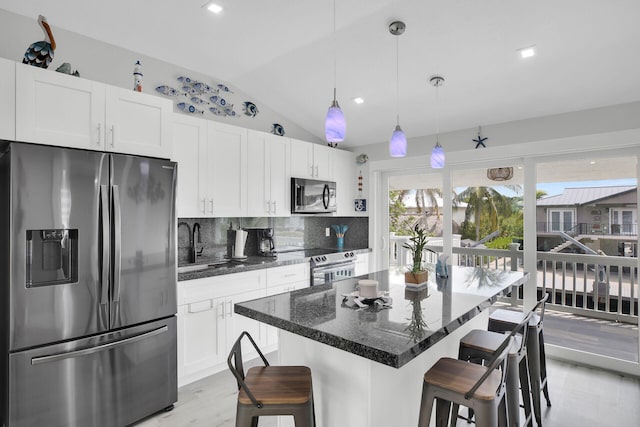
352,391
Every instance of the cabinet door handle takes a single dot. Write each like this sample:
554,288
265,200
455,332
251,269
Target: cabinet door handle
113,135
312,170
221,305
268,206
316,171
230,308
99,143
211,204
204,204
274,207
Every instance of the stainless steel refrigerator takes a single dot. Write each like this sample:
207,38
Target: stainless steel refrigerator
87,286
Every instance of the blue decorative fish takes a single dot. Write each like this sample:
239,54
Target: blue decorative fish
188,108
203,88
277,129
169,91
40,54
218,100
185,80
199,101
250,109
229,112
217,112
224,88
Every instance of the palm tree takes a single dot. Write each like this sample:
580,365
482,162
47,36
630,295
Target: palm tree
483,202
432,195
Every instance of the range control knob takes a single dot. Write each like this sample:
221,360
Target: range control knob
324,258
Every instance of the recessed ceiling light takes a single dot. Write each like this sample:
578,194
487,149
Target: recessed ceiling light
527,52
358,100
215,8
592,162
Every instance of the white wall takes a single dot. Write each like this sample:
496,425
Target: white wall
113,65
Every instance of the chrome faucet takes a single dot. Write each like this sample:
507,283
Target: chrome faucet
192,250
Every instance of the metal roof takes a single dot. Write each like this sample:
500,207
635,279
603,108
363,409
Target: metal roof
584,195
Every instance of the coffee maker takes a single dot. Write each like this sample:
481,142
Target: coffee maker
260,242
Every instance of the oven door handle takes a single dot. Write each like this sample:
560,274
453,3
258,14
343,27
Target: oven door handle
334,267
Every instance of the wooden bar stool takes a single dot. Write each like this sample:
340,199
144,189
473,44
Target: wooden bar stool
271,390
481,388
505,320
479,346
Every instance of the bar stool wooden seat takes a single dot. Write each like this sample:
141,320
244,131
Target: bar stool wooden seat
271,390
481,388
479,346
505,320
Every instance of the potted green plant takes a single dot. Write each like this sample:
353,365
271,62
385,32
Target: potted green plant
416,245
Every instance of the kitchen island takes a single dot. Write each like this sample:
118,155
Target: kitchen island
368,363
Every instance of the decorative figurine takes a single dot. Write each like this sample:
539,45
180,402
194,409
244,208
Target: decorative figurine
137,77
277,129
188,108
40,54
169,91
480,141
224,88
66,69
220,101
250,109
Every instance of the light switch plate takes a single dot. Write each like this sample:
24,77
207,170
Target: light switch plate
327,232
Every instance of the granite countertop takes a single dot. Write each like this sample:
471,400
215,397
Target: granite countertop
417,320
252,263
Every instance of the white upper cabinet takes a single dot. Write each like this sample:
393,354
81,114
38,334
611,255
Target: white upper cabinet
7,99
227,169
194,197
138,123
58,109
310,160
268,175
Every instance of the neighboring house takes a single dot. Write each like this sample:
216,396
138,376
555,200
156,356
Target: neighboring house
602,218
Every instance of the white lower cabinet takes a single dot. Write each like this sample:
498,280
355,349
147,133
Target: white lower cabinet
280,280
207,325
362,264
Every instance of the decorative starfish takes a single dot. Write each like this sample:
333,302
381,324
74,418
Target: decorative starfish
480,141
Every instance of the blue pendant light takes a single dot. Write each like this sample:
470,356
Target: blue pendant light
398,141
437,154
335,125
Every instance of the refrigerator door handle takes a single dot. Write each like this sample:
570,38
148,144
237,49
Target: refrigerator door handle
117,253
104,219
85,351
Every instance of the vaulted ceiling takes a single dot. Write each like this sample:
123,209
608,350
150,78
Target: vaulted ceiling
282,53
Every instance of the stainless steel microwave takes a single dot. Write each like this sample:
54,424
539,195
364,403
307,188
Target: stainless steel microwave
310,196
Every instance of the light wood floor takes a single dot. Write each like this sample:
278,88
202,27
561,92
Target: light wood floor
580,396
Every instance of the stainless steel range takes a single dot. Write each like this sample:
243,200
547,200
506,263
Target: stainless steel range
328,267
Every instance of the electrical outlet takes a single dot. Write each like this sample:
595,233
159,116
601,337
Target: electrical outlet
327,232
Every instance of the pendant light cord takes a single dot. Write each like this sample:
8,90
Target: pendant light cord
334,51
438,114
397,82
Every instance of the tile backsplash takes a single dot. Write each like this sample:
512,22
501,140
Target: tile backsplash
296,232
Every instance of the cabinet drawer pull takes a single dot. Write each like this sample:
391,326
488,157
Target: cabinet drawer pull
199,307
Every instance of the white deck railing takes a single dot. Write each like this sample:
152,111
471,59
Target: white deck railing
604,287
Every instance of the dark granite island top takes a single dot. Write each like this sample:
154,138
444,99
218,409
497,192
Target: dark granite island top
417,320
